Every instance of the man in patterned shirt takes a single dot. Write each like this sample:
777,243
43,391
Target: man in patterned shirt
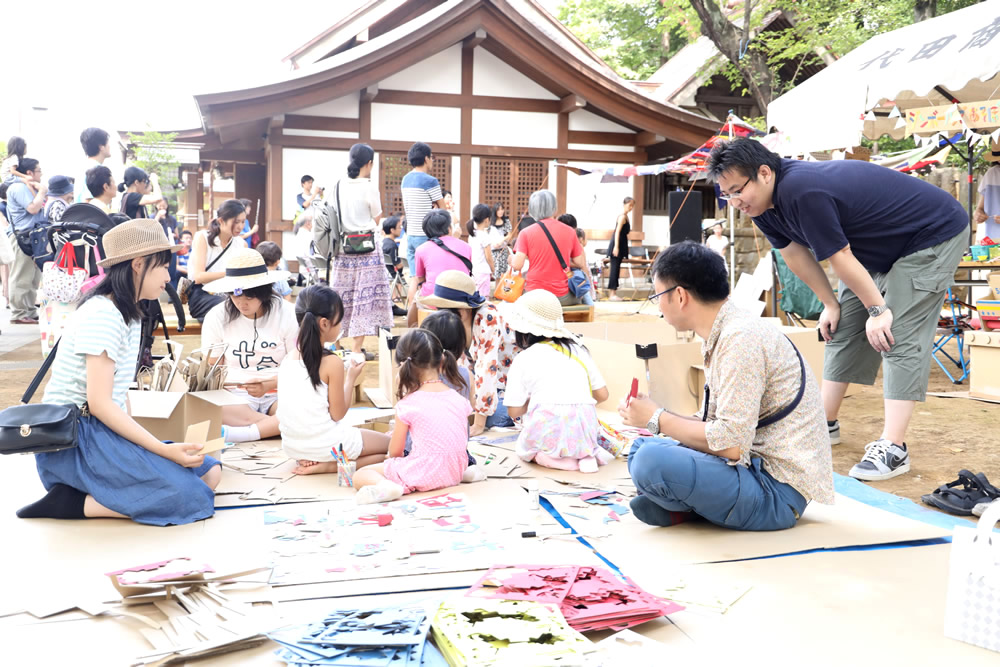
761,450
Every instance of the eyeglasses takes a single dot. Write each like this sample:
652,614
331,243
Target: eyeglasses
737,194
656,296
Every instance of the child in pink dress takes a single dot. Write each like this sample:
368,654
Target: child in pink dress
436,417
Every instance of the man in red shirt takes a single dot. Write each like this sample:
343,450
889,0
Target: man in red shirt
544,269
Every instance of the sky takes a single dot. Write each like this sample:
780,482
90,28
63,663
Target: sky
133,65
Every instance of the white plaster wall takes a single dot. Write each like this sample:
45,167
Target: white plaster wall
602,147
590,122
596,205
515,128
657,230
330,134
341,107
397,122
326,166
492,76
456,181
441,73
474,190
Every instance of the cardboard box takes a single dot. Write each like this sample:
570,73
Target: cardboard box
984,364
993,280
989,309
167,414
388,371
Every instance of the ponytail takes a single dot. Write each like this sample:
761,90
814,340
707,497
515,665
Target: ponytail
471,226
480,212
449,366
314,302
360,155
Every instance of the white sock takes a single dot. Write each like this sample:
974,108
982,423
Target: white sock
383,492
588,464
473,474
240,433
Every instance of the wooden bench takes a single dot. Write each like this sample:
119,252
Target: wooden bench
578,313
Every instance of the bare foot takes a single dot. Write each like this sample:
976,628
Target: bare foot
315,468
305,464
476,429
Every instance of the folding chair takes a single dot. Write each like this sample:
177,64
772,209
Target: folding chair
797,300
397,284
954,329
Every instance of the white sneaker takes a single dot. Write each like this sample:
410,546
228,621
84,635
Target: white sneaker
834,432
473,474
980,508
383,492
588,464
883,459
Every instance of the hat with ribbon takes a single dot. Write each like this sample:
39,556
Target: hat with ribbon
244,270
134,238
993,154
454,289
537,312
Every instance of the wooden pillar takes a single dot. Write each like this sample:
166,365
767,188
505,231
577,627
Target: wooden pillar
561,178
638,194
465,159
273,190
192,200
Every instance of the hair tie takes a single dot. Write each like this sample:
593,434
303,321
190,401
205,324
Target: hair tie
405,360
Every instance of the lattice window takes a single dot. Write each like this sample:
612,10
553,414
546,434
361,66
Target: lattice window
511,182
393,166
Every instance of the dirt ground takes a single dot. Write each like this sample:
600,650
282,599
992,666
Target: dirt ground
945,436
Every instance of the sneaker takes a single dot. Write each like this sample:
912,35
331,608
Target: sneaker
383,492
397,311
834,432
980,508
883,459
473,474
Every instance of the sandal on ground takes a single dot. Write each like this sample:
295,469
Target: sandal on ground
958,501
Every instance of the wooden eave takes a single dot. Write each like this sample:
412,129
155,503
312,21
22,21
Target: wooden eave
510,35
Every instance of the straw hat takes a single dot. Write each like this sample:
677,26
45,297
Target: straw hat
993,155
134,238
454,289
537,312
244,270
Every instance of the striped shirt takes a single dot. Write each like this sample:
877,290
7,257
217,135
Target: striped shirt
97,326
420,191
753,372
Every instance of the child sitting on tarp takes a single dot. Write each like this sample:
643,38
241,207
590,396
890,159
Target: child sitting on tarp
555,383
316,392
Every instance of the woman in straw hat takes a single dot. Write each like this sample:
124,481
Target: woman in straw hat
492,344
556,384
118,469
259,328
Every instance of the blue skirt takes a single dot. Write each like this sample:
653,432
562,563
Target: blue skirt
129,479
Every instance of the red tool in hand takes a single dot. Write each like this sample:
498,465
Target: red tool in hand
633,392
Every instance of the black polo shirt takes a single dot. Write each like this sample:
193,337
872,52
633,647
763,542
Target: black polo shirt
881,213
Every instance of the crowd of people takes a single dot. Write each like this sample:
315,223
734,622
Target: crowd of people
757,456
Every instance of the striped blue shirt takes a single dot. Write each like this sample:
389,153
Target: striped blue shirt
420,191
97,326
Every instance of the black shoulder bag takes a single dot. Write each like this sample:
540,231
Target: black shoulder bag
465,260
42,427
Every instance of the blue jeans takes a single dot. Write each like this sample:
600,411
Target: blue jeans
679,479
412,243
588,298
500,417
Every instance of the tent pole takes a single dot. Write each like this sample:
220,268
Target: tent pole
732,225
970,160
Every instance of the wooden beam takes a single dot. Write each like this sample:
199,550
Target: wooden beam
644,139
370,93
474,101
563,140
234,155
474,40
465,159
571,103
274,171
332,143
602,138
364,119
362,36
299,122
639,195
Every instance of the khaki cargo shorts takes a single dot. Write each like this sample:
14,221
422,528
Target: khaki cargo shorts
914,289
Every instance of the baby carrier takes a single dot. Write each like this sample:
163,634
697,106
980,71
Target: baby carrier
87,223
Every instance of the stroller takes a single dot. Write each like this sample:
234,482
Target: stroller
87,223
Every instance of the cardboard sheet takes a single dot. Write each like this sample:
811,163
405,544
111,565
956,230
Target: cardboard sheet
847,523
798,604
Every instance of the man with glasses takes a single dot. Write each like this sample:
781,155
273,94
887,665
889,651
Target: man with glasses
759,452
893,240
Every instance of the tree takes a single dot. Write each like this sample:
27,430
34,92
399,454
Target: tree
153,154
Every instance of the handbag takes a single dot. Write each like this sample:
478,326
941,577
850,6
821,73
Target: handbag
578,284
185,285
92,281
357,243
465,260
510,287
41,427
973,601
62,279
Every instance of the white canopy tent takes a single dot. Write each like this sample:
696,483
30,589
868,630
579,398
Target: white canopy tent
951,58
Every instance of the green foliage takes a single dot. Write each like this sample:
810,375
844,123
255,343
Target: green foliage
153,155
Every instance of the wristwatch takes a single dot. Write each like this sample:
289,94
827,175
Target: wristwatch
875,311
653,425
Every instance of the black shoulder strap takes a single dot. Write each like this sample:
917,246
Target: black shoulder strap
465,260
212,263
559,256
334,238
37,380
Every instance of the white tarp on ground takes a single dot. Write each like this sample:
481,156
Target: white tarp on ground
959,52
